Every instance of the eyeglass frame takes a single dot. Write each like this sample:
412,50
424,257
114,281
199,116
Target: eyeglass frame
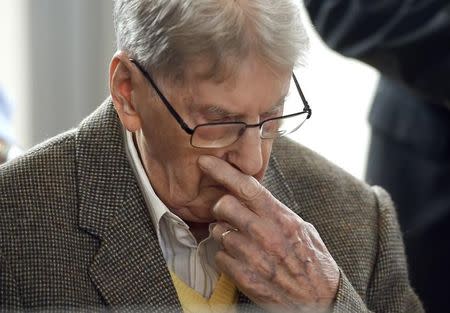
190,131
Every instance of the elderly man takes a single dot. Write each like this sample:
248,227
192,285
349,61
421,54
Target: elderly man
177,195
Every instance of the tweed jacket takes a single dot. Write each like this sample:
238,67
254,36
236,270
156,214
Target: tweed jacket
75,233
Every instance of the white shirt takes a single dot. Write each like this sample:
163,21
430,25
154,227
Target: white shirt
191,262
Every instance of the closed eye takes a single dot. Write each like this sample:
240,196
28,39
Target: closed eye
223,119
274,112
267,116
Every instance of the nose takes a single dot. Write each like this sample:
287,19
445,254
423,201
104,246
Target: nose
247,152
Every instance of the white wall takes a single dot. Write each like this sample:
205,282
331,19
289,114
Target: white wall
14,62
339,91
54,58
71,46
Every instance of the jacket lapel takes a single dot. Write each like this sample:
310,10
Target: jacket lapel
129,269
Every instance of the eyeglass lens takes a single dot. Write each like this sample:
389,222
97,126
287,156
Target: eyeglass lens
222,135
286,121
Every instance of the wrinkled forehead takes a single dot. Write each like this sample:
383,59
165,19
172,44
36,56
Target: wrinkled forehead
226,68
251,88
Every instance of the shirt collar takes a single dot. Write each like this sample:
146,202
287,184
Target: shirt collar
156,207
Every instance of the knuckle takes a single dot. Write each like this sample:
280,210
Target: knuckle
227,201
291,228
223,204
270,241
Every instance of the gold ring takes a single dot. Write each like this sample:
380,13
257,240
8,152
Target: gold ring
227,232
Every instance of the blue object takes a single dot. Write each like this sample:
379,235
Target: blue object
5,118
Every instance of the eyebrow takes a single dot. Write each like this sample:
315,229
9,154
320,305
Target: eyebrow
215,109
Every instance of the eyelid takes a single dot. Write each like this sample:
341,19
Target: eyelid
224,119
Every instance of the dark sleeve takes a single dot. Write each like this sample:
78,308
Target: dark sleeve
406,40
389,290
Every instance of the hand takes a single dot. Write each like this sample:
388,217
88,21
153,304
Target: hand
275,258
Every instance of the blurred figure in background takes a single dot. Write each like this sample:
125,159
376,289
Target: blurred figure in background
409,43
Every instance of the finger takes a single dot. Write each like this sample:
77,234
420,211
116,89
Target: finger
246,280
228,265
222,230
224,225
242,248
233,241
245,187
263,229
232,211
235,269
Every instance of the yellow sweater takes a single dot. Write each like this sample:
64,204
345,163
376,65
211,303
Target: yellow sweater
222,300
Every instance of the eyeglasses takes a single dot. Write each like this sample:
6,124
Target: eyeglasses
223,134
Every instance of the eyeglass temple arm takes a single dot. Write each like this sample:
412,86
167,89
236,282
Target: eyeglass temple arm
305,102
180,121
166,102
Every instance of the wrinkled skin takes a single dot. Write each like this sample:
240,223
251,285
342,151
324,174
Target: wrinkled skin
277,259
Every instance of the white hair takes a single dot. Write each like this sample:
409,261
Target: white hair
165,35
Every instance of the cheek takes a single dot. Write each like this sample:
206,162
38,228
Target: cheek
164,139
170,160
266,150
154,127
187,173
184,177
177,179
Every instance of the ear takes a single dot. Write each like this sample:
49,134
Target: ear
121,87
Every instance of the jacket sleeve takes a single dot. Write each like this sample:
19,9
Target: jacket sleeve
406,40
389,290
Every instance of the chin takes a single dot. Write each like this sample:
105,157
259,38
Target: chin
199,209
194,215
